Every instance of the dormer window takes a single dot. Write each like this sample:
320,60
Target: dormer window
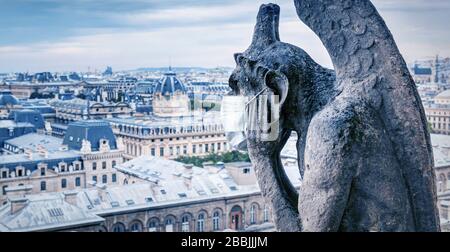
4,174
246,170
62,167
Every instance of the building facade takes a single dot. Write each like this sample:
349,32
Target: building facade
196,135
166,196
77,109
87,156
438,113
170,97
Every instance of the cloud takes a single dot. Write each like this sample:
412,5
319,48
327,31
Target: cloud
72,35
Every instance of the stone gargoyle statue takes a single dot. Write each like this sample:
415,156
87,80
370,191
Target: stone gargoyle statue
364,150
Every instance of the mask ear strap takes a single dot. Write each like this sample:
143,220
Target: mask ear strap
256,96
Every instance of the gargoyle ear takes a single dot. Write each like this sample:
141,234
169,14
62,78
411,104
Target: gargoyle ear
279,83
238,58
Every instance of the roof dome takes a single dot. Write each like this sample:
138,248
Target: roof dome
7,99
169,84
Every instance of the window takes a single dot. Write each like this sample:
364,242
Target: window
216,220
118,228
152,226
43,186
194,147
185,150
77,182
161,152
113,164
206,148
94,166
169,225
4,174
171,151
94,178
246,170
63,167
185,224
178,150
114,178
136,227
77,167
253,214
218,146
103,165
266,214
104,179
4,189
63,183
152,152
201,223
19,172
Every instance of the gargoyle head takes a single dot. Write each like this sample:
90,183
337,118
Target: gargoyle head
251,74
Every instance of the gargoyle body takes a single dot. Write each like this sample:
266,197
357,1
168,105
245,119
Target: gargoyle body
364,150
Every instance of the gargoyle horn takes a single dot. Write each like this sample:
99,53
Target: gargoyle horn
266,29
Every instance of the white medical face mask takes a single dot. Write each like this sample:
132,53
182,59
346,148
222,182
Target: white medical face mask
233,115
240,114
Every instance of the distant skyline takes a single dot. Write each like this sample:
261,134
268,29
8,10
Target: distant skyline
59,35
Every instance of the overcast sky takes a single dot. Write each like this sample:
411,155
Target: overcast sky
66,35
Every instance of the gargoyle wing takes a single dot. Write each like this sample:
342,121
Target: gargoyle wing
368,64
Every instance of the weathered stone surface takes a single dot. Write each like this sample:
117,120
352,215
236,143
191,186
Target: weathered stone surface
364,149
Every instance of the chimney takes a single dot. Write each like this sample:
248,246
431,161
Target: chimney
101,190
71,197
29,154
43,152
18,191
188,181
18,204
188,168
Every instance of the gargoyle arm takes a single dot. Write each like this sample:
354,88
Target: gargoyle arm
274,183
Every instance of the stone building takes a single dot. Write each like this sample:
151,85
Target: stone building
77,109
170,97
171,137
8,102
422,75
158,195
438,113
441,152
87,155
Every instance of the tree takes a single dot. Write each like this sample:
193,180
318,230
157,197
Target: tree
233,156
